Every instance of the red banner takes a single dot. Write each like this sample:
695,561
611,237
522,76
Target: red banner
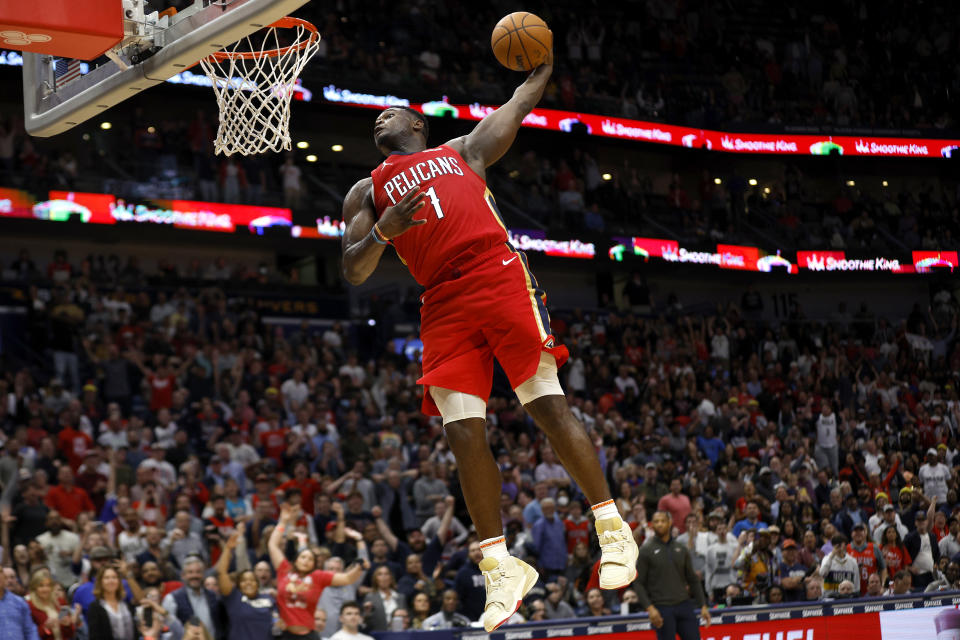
659,133
104,208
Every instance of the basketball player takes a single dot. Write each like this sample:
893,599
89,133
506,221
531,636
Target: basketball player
481,301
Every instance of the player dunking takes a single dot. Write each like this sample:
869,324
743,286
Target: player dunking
481,302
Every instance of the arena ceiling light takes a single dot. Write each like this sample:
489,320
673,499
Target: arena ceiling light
851,183
885,183
337,148
303,144
311,158
753,182
717,181
607,176
106,125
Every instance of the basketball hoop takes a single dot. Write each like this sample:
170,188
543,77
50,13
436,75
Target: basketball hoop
254,80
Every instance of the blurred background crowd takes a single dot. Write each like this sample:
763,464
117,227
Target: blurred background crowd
800,462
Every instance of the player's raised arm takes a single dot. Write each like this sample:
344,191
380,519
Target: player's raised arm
490,139
364,238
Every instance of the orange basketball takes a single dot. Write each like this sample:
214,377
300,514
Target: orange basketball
521,41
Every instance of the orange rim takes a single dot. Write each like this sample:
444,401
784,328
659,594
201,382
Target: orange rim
282,23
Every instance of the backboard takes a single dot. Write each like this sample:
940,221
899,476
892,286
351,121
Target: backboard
155,47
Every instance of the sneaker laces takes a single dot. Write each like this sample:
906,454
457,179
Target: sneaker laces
494,579
614,541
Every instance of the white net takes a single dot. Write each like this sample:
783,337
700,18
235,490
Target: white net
254,80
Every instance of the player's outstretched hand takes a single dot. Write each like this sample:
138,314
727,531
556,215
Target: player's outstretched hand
399,218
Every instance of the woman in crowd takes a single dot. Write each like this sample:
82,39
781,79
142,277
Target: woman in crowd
421,610
54,619
379,604
110,618
250,611
300,584
595,604
895,555
21,564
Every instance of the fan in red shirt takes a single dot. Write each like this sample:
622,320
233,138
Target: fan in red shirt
577,526
274,442
74,444
163,382
307,485
263,488
299,585
66,498
218,527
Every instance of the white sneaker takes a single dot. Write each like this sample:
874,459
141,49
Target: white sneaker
508,581
619,551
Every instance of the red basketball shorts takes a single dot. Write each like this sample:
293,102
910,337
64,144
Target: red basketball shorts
492,309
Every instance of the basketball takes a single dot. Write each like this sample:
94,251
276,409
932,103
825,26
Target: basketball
521,41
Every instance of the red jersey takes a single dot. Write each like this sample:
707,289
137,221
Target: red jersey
74,444
462,218
69,503
867,561
297,595
309,488
576,531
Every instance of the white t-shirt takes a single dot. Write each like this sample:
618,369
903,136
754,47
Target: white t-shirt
827,431
343,634
934,479
924,560
291,176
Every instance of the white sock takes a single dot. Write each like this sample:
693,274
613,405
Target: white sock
494,548
606,509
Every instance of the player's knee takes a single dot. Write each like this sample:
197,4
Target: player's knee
456,406
543,383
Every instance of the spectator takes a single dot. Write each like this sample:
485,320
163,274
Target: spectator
380,604
193,600
469,584
867,555
300,584
54,620
837,566
59,545
902,584
447,617
350,623
109,616
676,503
549,541
250,612
922,547
751,521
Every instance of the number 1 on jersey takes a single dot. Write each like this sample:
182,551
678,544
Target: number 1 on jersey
435,201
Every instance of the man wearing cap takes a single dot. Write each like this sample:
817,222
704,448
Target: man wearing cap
756,563
889,518
922,546
667,586
792,572
867,554
934,475
652,489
